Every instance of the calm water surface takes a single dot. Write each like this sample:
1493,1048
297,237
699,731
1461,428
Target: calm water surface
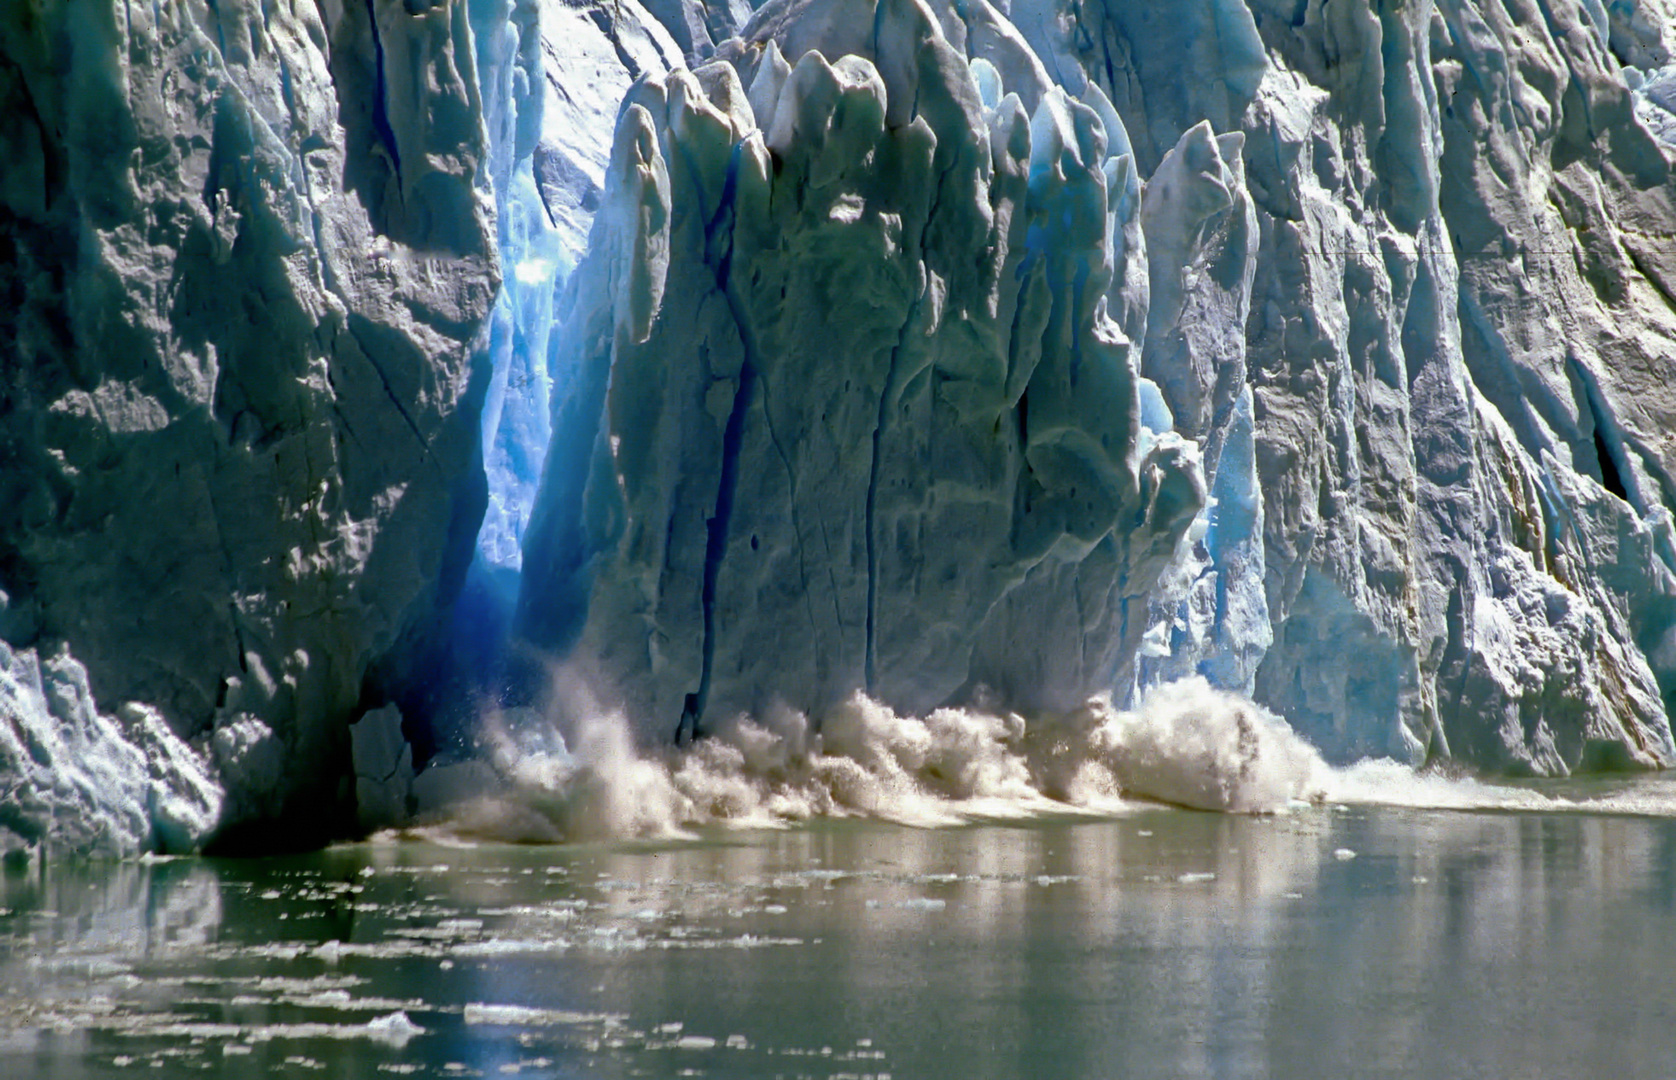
1331,942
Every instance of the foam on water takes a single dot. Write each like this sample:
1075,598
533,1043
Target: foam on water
1383,782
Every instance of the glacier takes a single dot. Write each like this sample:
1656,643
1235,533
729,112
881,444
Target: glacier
909,427
249,249
1370,478
377,368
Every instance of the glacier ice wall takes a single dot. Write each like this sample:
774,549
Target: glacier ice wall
248,253
1316,348
551,76
1393,282
1460,318
851,410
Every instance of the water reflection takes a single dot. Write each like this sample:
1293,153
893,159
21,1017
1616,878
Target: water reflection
1331,942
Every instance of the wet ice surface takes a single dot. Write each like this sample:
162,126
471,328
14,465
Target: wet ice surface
1166,943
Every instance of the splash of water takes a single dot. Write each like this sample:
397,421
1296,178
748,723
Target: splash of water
1186,743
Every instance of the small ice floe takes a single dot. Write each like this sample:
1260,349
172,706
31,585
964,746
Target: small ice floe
460,926
924,903
524,1016
394,1030
917,904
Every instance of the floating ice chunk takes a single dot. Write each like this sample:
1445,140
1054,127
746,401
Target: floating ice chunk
526,1016
393,1030
923,903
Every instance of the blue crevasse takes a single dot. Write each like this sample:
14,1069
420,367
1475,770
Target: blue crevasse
550,77
516,416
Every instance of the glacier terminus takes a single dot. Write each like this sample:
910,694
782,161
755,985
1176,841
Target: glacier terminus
994,398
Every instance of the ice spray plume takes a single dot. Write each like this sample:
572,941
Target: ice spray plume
571,771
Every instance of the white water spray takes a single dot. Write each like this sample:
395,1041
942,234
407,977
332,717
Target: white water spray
1186,744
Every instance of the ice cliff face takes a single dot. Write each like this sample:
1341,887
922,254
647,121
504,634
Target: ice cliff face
846,377
1461,308
1461,269
941,351
248,248
1392,285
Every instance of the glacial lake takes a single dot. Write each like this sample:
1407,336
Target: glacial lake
1332,941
